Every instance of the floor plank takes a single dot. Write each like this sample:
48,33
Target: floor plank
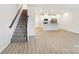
46,42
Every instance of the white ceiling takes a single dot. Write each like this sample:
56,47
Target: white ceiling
47,8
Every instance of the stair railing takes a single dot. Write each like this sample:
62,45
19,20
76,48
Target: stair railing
15,17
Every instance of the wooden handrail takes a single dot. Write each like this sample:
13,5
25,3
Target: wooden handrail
15,17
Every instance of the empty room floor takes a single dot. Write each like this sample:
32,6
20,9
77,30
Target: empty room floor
47,42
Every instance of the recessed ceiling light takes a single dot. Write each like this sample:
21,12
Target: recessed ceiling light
41,10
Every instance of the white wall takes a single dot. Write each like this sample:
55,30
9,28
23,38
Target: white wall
37,21
70,21
59,21
7,14
24,6
31,22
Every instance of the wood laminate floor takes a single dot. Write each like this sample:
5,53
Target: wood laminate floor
47,42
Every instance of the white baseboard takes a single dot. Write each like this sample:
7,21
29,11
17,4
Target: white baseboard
70,30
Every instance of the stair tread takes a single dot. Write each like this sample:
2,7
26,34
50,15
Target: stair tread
18,35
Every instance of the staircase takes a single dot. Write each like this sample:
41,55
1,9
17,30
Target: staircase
21,29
